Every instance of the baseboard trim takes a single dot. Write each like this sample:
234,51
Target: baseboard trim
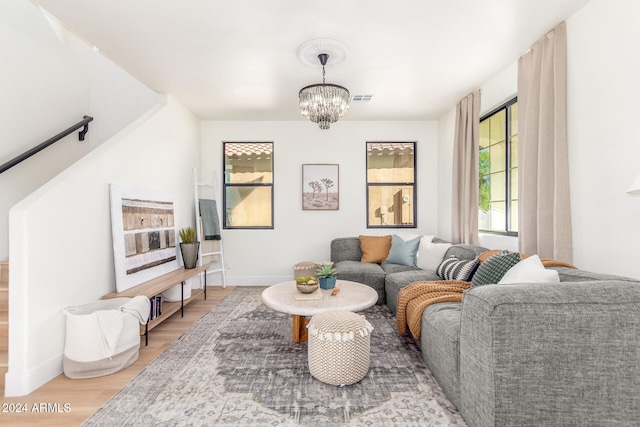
22,383
215,279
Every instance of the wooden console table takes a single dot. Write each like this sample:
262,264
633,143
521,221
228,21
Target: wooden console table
160,284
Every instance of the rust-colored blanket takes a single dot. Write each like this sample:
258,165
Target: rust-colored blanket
413,299
547,262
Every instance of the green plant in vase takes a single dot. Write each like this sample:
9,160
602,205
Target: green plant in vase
187,235
189,247
326,276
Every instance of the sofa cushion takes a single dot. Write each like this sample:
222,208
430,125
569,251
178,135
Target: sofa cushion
396,281
575,275
345,249
430,255
395,268
492,270
465,251
453,268
369,274
529,270
374,248
440,345
403,252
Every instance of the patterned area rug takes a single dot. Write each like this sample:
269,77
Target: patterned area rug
237,366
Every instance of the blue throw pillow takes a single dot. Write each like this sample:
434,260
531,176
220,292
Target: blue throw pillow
402,252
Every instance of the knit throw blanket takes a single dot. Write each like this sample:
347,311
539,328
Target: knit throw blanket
413,299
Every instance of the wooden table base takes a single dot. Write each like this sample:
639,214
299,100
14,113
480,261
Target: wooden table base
299,329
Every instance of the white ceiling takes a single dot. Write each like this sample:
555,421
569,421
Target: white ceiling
236,59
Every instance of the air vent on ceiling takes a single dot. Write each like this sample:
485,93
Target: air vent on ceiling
361,99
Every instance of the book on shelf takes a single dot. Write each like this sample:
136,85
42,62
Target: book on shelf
156,306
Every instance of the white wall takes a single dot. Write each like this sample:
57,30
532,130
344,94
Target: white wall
61,245
115,97
604,137
267,256
53,80
446,134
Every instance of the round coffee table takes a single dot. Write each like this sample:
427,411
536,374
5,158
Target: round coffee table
284,297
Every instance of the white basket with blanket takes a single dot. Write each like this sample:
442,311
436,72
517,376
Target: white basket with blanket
103,337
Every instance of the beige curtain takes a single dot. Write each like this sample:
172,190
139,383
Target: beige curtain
465,171
544,217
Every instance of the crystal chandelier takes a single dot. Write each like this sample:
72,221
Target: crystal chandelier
324,103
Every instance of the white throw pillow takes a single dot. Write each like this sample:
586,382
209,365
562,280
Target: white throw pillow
409,236
530,270
430,255
422,247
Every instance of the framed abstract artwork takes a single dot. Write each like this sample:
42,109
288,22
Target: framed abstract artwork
320,187
144,235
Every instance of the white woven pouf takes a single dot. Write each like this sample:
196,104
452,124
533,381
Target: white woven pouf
339,347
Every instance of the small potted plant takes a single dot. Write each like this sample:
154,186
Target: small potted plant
326,276
189,247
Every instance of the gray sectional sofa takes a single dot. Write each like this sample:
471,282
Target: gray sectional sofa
524,354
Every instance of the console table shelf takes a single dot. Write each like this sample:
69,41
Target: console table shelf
160,284
170,307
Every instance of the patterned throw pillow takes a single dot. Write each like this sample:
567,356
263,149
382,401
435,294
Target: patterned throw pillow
492,270
453,268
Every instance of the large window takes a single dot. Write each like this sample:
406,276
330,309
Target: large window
248,184
498,195
391,185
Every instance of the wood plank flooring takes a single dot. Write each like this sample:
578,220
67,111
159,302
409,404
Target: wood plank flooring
4,321
67,402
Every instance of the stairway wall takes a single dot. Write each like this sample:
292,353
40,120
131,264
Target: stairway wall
51,79
61,245
55,205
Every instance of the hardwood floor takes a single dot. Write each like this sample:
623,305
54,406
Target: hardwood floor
67,402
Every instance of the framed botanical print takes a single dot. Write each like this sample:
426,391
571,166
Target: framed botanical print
320,187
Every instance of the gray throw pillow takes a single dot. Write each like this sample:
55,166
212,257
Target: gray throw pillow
492,270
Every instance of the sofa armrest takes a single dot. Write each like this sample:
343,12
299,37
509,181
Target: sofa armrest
556,354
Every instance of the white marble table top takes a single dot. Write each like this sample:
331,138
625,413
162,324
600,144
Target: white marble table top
353,296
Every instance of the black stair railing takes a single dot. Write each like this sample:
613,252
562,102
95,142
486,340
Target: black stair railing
84,124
